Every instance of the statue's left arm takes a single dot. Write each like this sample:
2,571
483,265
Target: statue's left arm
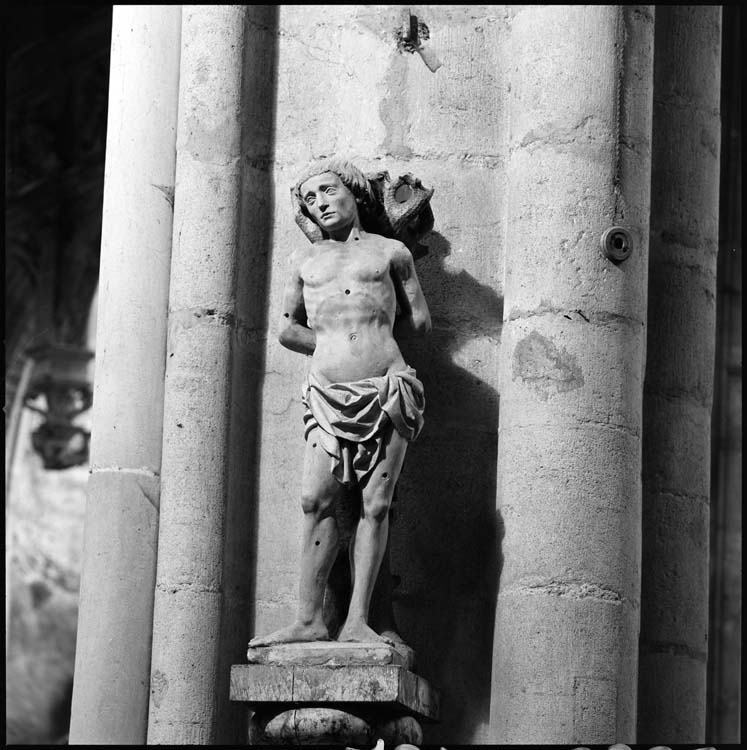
414,319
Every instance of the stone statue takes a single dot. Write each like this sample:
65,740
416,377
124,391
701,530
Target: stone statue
351,295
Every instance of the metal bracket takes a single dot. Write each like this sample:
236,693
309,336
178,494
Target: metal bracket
411,35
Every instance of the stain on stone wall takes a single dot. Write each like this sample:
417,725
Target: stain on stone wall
544,367
159,684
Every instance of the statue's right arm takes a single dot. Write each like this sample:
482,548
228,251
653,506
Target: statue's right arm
295,333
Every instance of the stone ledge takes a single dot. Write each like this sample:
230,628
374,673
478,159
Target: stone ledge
368,685
332,654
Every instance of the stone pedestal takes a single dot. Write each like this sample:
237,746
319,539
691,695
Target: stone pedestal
333,693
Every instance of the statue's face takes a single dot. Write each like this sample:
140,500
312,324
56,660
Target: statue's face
329,203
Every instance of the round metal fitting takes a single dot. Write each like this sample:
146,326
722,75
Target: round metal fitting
617,243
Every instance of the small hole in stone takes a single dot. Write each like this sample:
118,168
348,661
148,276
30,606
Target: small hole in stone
287,315
317,542
313,445
347,291
385,475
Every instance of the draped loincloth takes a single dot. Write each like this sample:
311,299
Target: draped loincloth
353,418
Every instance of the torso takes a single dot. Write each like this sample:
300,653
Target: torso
351,304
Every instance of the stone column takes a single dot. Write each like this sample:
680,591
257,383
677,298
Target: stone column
215,322
110,694
679,374
573,349
725,622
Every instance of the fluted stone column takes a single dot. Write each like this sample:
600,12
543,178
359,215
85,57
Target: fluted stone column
215,326
679,374
573,350
112,665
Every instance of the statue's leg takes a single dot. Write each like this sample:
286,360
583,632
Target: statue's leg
340,581
319,492
381,612
371,536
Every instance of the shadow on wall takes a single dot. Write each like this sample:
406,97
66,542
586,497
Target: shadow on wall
257,208
445,537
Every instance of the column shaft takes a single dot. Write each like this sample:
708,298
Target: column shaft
110,694
679,374
725,584
573,350
205,334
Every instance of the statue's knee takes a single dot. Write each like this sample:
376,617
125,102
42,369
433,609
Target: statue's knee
376,506
310,502
315,503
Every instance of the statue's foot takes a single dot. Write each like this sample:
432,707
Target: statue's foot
359,632
296,633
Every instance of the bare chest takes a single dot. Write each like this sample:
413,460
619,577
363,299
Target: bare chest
331,267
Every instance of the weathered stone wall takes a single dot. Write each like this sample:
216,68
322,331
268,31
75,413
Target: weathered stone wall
345,89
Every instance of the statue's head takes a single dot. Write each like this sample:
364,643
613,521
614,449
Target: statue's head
348,177
399,209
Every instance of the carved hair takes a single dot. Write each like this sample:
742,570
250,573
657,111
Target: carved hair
350,176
